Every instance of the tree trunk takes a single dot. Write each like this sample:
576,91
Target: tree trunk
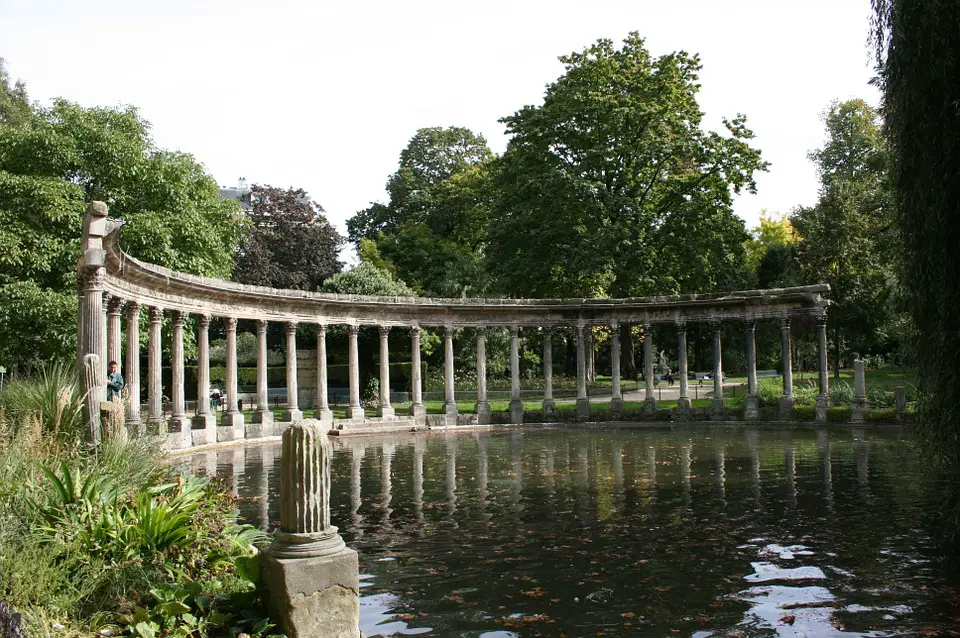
628,367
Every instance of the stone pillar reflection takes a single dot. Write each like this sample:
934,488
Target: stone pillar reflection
419,445
154,378
387,451
686,451
356,500
204,423
293,412
114,336
649,400
132,368
451,482
786,400
262,415
417,409
583,403
449,394
718,404
516,404
322,412
790,470
652,471
823,450
179,424
231,423
721,473
385,410
752,406
483,404
354,409
823,397
616,400
483,467
549,405
683,403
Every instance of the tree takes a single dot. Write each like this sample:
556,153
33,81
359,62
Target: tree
367,279
770,252
843,239
290,243
918,45
431,232
611,187
51,164
14,105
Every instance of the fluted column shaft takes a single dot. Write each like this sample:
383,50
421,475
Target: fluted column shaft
822,355
615,360
648,361
232,392
751,358
93,342
305,481
322,411
293,412
178,412
548,369
785,352
132,367
581,365
354,410
483,405
203,365
718,402
114,308
417,409
385,410
682,362
449,393
154,379
514,363
263,402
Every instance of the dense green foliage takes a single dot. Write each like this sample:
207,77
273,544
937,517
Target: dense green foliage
290,242
918,43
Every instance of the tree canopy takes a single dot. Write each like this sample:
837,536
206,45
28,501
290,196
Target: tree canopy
290,243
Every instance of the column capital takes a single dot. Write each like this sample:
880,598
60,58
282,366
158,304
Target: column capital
384,331
261,326
615,325
751,325
547,331
449,330
647,327
822,320
514,330
716,324
415,329
203,321
681,325
231,323
321,330
482,332
93,278
785,323
133,309
291,327
178,317
352,329
156,314
114,304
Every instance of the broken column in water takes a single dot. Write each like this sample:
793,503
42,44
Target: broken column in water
859,408
311,576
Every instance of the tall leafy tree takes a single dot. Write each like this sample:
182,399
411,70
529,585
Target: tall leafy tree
14,104
611,186
918,42
290,244
52,161
432,230
844,238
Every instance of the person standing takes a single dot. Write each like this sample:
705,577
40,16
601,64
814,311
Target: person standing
114,382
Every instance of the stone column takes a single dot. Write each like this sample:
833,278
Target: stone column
311,577
417,409
718,404
385,411
616,400
823,398
683,403
91,327
859,408
154,378
322,412
449,395
262,415
649,400
483,405
751,410
549,405
355,409
786,400
516,404
231,423
179,425
205,422
583,402
293,412
114,308
132,368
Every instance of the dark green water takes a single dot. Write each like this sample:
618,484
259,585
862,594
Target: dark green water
629,532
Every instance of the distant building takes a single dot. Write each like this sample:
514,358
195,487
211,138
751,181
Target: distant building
240,192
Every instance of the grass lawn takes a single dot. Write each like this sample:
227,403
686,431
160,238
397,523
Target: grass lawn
886,378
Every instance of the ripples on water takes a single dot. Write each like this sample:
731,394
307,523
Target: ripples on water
629,532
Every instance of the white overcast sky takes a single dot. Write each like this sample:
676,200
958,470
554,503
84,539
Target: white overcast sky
325,95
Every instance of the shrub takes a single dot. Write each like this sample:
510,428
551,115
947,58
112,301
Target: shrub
769,390
53,397
841,394
838,414
804,412
883,415
805,393
879,397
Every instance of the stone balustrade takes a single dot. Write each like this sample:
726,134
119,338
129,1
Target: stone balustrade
106,273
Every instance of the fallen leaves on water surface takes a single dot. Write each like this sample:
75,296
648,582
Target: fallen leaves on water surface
523,622
788,619
536,592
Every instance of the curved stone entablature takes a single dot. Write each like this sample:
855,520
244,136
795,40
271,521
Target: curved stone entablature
111,283
152,285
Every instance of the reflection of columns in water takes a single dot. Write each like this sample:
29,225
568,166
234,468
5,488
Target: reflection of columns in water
754,445
686,452
483,445
419,445
720,475
790,469
516,482
549,472
451,486
617,467
356,462
254,466
386,485
862,451
229,467
823,449
652,470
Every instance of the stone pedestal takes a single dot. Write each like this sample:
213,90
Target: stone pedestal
650,406
549,408
292,415
483,413
718,409
900,398
418,412
751,410
820,408
386,413
450,413
264,417
859,408
785,408
683,408
203,429
324,415
231,427
616,408
516,411
583,409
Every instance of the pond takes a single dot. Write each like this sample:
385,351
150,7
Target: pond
739,531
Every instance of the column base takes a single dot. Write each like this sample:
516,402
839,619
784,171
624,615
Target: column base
549,408
231,427
785,408
263,417
820,408
616,408
516,411
291,415
419,413
355,413
178,432
718,408
683,408
134,428
203,429
583,409
483,412
387,413
155,426
450,413
858,410
650,406
314,597
751,409
324,415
